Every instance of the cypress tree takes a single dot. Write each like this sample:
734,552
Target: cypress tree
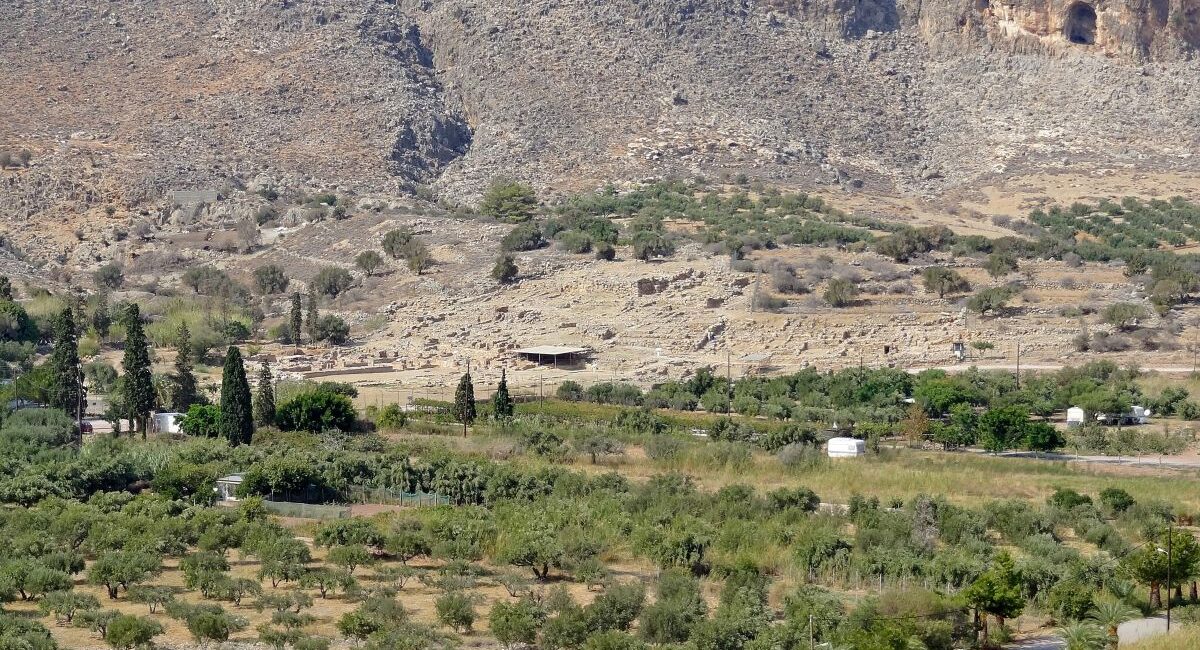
66,374
237,418
264,402
184,378
464,401
6,290
311,318
138,385
297,322
501,402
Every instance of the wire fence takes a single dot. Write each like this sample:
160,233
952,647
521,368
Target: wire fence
396,497
314,497
307,510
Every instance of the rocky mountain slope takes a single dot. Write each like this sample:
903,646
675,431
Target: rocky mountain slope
124,102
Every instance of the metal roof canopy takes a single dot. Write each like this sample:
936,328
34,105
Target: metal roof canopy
551,350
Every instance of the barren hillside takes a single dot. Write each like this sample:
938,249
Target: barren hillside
124,102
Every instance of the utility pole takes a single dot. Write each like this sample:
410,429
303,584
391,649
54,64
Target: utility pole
728,383
1170,525
812,643
1018,365
79,401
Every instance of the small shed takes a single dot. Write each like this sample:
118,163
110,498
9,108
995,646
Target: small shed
166,422
959,350
227,487
846,447
1075,416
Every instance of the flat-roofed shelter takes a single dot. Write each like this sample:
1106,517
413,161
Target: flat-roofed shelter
553,354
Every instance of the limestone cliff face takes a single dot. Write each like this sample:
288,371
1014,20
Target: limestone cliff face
1136,29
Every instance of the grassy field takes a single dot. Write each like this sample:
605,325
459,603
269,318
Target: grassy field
963,478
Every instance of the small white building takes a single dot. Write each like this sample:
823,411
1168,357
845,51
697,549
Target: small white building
1075,416
846,447
166,422
227,487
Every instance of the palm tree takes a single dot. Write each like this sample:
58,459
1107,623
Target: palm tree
1083,636
1110,614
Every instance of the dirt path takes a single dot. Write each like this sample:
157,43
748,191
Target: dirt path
1144,628
1128,632
1038,643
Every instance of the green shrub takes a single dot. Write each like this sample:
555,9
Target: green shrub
614,393
16,324
990,300
391,417
1116,501
332,328
941,280
573,241
505,270
211,281
840,292
509,201
109,276
369,262
316,412
525,237
570,391
127,632
1123,315
395,240
648,244
332,281
516,622
1000,264
270,279
456,610
201,420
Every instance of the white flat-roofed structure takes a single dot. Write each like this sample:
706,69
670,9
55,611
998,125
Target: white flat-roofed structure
553,354
227,487
166,422
846,447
